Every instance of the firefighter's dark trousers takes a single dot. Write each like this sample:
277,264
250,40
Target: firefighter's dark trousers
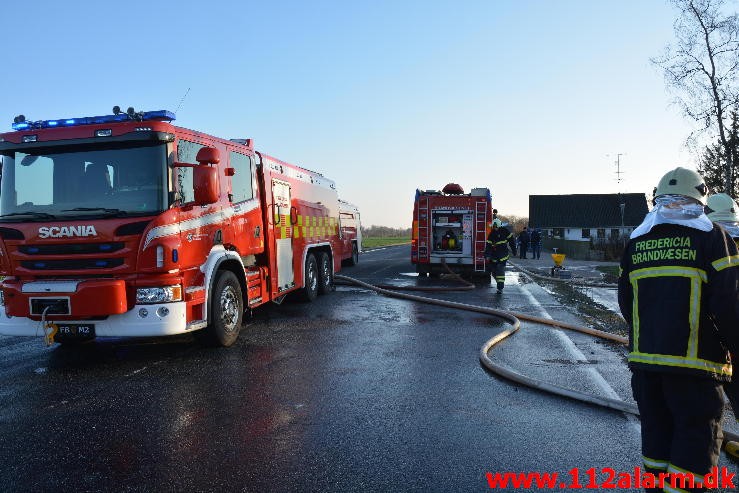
497,268
680,423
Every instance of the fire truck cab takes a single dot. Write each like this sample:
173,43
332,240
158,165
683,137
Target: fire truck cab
126,225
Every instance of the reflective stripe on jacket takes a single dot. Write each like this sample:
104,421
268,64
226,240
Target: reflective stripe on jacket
678,292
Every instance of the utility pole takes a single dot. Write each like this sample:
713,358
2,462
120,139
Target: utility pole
621,198
618,167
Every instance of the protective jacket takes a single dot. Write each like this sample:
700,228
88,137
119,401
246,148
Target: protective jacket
678,292
497,246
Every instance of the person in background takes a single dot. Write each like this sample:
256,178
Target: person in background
496,251
523,242
536,244
678,292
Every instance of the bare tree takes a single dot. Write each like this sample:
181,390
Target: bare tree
702,67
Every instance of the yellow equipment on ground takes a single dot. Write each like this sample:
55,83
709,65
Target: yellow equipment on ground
558,259
559,270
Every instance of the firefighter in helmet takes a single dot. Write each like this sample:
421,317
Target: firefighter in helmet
678,292
496,251
723,210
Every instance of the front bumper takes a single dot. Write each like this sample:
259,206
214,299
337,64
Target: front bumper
106,303
128,324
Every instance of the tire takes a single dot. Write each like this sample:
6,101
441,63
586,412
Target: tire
354,259
310,277
226,311
325,273
355,254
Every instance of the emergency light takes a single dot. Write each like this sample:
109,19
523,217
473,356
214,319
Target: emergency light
20,122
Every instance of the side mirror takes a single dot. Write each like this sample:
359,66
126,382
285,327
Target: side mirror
205,182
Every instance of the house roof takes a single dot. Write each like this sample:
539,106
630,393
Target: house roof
586,210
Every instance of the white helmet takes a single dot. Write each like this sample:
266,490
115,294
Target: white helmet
721,207
682,181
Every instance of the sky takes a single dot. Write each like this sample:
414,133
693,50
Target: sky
524,97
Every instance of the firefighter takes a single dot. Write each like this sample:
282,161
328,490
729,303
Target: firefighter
678,292
723,210
496,251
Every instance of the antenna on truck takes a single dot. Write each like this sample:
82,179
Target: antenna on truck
182,100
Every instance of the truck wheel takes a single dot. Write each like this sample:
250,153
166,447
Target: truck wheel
226,311
310,289
325,273
354,259
355,255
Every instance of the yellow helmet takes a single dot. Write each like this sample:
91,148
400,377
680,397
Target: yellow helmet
682,181
721,207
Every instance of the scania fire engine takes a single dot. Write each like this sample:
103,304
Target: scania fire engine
451,227
126,225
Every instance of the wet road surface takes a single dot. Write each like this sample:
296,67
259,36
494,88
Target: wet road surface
354,392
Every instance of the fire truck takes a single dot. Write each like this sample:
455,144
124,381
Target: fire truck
451,227
126,225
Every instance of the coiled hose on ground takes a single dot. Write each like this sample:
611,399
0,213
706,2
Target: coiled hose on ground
514,319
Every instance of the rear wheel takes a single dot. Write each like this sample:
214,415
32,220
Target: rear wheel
355,255
325,273
354,259
226,311
310,288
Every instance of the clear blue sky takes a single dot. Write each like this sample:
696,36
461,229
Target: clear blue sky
521,96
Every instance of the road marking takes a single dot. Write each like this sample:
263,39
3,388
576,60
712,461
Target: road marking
576,354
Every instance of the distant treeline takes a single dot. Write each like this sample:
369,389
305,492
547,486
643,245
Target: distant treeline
385,232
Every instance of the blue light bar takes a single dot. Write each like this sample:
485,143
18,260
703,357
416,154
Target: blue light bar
160,115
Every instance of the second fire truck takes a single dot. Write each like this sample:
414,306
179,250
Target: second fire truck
450,226
126,225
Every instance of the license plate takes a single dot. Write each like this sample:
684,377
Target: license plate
74,331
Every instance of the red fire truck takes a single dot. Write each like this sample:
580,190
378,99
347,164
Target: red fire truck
126,225
452,227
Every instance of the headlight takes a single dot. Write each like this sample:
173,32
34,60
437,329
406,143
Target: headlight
164,294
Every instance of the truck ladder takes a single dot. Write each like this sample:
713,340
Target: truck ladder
481,221
424,219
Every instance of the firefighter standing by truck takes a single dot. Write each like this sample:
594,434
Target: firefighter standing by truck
678,292
496,251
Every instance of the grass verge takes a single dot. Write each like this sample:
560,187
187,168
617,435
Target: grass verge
382,242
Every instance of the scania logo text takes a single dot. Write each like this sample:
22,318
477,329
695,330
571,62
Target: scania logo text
66,231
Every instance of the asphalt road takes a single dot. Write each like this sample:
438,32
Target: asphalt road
354,392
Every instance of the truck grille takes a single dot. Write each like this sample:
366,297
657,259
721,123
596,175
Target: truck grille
77,248
72,264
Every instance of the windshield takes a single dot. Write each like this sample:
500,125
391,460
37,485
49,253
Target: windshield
82,182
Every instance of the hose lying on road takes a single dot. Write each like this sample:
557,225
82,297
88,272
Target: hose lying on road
514,319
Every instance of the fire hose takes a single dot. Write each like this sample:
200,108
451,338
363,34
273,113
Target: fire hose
514,320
